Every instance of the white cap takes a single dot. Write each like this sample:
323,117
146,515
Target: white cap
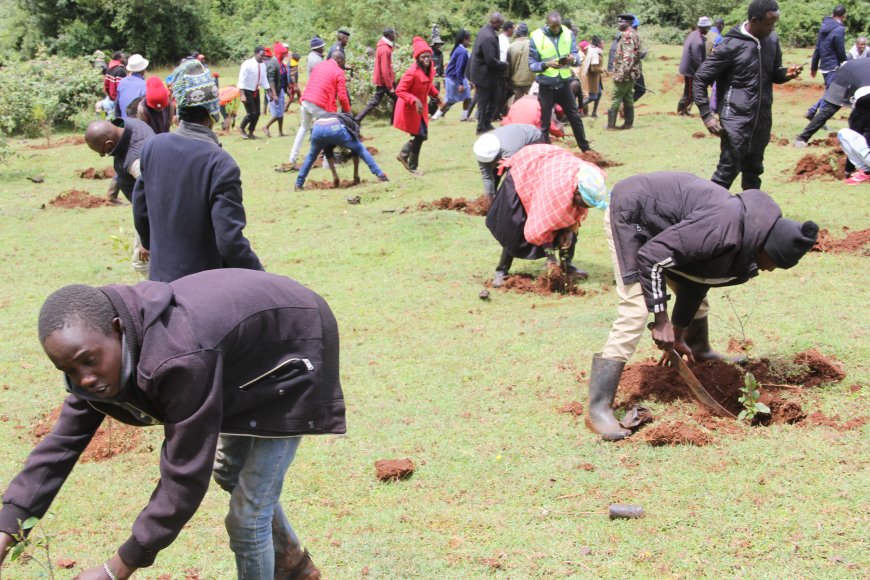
591,186
860,93
533,90
705,22
136,63
487,148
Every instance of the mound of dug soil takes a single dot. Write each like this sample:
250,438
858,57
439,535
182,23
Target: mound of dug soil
477,206
547,284
830,164
327,184
77,198
91,173
394,469
779,382
72,140
372,151
596,158
698,135
853,243
111,439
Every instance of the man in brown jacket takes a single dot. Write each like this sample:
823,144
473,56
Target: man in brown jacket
521,77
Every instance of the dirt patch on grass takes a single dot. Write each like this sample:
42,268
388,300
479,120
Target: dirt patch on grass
394,469
573,408
549,283
328,184
76,198
111,439
778,140
672,81
780,381
372,151
477,206
60,143
800,90
698,135
91,173
853,243
830,141
596,158
829,164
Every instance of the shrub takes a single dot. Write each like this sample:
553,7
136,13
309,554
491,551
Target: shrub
46,92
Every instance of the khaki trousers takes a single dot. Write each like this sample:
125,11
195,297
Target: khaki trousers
632,312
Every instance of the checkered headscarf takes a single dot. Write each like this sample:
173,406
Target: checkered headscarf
193,86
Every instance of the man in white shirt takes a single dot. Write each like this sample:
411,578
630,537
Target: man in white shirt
505,90
252,76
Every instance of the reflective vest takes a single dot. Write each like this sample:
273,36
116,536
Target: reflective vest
548,51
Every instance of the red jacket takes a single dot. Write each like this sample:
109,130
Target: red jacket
326,84
415,87
114,73
527,111
383,75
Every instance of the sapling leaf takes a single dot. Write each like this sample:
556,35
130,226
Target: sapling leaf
16,551
742,415
762,408
29,523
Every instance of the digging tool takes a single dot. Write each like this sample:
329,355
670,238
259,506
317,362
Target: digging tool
695,385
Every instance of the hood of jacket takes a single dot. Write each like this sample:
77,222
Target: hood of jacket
829,25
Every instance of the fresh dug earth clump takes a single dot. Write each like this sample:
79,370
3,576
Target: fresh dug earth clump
394,469
698,135
372,150
549,283
779,381
91,173
853,243
327,184
596,158
830,164
72,140
111,439
477,206
76,198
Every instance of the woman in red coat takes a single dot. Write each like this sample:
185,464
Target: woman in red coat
412,114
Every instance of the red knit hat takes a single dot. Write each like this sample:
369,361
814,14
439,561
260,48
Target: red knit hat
279,50
420,46
269,52
156,93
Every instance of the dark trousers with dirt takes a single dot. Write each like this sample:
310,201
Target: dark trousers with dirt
823,114
686,101
380,93
561,94
252,110
750,165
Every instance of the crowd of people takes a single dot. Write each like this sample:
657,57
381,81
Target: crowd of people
238,364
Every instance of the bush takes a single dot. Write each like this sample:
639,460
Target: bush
359,83
45,93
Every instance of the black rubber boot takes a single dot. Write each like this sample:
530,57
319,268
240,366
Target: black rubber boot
611,119
413,161
404,154
628,114
603,381
698,339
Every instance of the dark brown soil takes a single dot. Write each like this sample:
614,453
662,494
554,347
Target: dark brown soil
546,284
60,143
394,469
573,408
91,173
372,151
835,422
853,243
327,184
698,135
779,382
65,563
778,140
671,82
478,206
75,198
596,158
111,439
830,164
740,345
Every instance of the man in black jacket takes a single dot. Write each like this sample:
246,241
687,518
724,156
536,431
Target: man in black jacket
234,356
680,231
187,203
744,67
486,71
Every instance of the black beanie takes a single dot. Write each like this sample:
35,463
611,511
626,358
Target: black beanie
789,240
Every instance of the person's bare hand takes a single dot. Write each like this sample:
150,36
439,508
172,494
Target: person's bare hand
6,542
713,125
144,255
461,88
813,73
242,97
680,344
662,332
419,106
552,63
794,71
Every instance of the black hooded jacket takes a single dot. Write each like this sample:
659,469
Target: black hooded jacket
682,226
744,70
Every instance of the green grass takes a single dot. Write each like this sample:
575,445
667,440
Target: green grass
469,389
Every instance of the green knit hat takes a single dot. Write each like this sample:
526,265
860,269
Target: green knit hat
193,86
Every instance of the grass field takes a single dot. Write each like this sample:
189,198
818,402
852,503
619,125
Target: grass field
469,390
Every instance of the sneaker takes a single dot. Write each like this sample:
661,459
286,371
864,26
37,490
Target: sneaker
299,188
809,115
242,133
383,178
799,143
858,177
498,279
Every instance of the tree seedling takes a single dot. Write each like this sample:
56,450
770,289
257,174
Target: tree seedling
26,538
750,399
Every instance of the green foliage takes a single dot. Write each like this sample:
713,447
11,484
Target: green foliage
46,92
26,538
750,399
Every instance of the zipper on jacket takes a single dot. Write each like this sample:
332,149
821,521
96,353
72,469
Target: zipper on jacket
143,416
279,366
760,90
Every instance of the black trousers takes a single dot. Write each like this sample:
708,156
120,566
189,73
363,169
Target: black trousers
380,93
825,112
561,94
487,102
252,110
750,165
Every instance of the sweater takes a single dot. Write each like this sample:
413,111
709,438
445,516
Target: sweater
326,84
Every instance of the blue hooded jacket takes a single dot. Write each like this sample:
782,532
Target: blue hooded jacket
830,45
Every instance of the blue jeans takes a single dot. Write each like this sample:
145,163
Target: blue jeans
829,78
252,470
325,136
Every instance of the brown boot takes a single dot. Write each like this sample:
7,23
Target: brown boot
296,564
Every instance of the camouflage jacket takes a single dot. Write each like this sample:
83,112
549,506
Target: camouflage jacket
627,66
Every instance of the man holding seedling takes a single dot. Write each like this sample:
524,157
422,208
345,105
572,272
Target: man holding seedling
679,231
236,365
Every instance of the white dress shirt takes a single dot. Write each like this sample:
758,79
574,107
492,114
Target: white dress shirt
253,75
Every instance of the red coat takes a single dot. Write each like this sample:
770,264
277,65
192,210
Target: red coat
415,87
326,84
527,111
384,75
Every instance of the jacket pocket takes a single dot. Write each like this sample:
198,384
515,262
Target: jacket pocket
283,371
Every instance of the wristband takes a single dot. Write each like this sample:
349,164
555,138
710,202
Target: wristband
108,571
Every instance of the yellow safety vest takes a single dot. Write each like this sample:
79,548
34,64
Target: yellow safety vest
547,51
